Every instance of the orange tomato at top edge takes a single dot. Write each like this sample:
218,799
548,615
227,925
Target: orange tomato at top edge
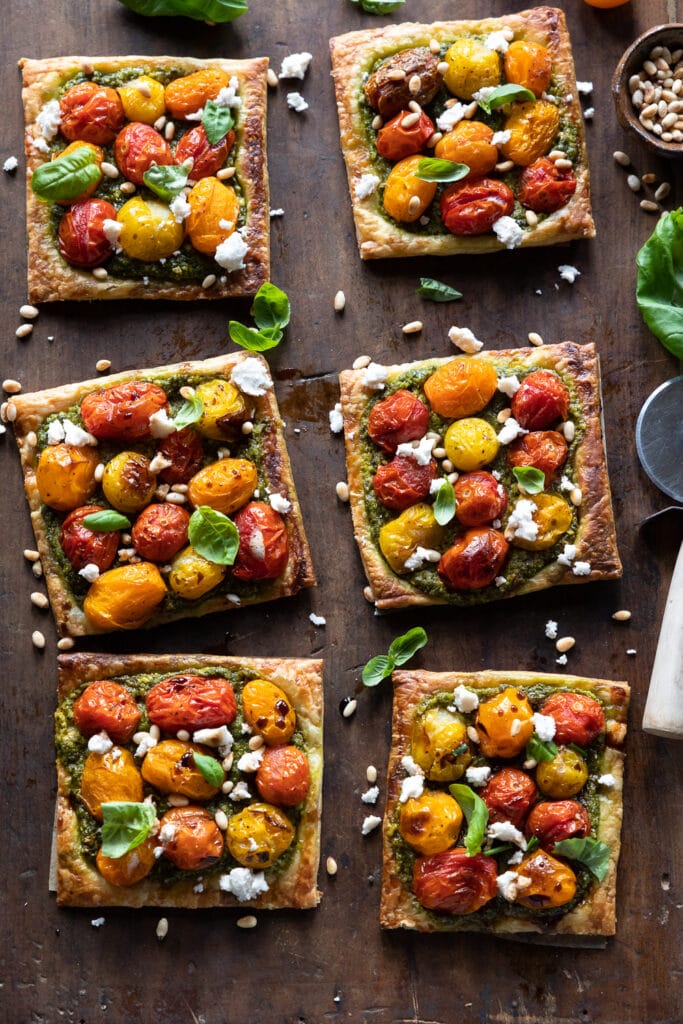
606,3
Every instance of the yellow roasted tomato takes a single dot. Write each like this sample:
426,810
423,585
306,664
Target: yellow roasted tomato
268,711
504,724
431,823
149,229
225,409
550,882
470,67
214,209
99,157
553,517
469,143
562,777
471,443
225,485
258,835
110,777
406,197
532,127
401,537
143,99
436,736
170,767
129,869
128,482
124,598
528,64
192,575
65,475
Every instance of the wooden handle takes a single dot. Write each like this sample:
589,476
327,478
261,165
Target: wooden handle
664,708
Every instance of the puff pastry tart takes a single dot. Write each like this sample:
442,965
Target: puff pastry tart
188,781
161,494
462,136
147,177
479,477
504,803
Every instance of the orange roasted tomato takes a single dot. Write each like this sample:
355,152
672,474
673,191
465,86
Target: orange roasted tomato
399,418
544,188
579,718
170,767
552,883
122,412
461,387
194,840
90,113
213,206
472,207
137,147
129,869
529,65
469,142
225,485
533,127
543,449
99,157
81,238
106,705
431,823
206,159
554,820
258,835
160,531
187,94
110,777
452,882
283,777
474,560
395,140
87,547
479,498
541,400
185,452
509,795
504,724
406,197
65,475
191,703
264,546
128,482
268,711
403,482
124,598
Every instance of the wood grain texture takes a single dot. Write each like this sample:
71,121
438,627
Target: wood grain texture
290,969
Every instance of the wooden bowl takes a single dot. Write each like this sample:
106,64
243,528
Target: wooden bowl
670,35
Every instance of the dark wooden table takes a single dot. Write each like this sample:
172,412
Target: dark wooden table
334,964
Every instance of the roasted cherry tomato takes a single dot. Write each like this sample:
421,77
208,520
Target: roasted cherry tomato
396,141
129,869
543,187
81,238
472,207
504,724
268,711
469,142
452,882
509,795
225,485
207,159
541,400
474,560
224,409
401,537
143,99
403,482
552,883
387,93
264,545
532,127
65,475
185,451
258,835
554,820
170,768
121,413
471,443
128,482
192,575
564,776
529,65
471,66
124,598
90,113
187,94
150,230
579,718
99,157
137,147
479,498
435,737
87,547
194,840
160,531
461,387
543,449
106,705
406,197
214,209
552,517
431,823
283,777
191,703
399,418
108,778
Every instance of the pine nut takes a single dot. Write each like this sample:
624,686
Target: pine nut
10,412
99,472
564,644
248,921
535,339
667,136
504,166
24,330
28,312
409,120
414,205
649,207
39,600
634,83
209,281
377,122
649,111
350,708
663,190
38,639
576,496
100,274
37,569
160,123
331,866
225,173
442,67
339,301
30,555
504,415
414,327
342,490
109,170
622,616
178,800
621,158
371,773
247,427
169,131
32,439
255,742
415,107
447,467
633,182
271,78
102,364
396,75
361,362
65,644
128,187
564,165
433,139
649,178
637,98
472,734
176,499
414,84
531,218
569,431
12,387
434,45
649,67
227,786
162,928
221,819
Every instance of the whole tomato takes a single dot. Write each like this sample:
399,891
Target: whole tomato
160,531
388,92
187,94
128,482
106,705
541,400
543,449
191,702
91,113
472,207
268,711
403,482
528,64
129,869
264,546
474,560
400,417
469,142
509,795
87,547
544,188
452,882
431,823
564,776
185,451
170,767
192,575
407,196
461,387
65,475
396,141
196,842
579,718
258,835
110,777
122,412
479,498
81,238
552,882
414,528
124,598
532,129
504,723
213,206
283,777
554,820
137,147
225,485
225,410
207,159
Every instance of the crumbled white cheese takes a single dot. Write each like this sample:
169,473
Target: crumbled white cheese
521,520
227,97
420,450
240,792
250,761
562,660
147,741
225,225
607,780
465,700
464,339
276,212
584,87
55,432
295,65
159,462
551,628
420,556
40,145
506,832
10,164
566,484
375,376
296,102
508,232
509,385
167,832
450,117
478,776
196,116
510,431
318,620
370,795
336,419
243,883
231,252
516,857
49,119
544,725
497,41
568,555
161,424
89,572
411,788
409,766
279,503
246,729
631,651
251,377
257,544
219,737
589,113
97,922
366,186
500,138
199,887
370,824
549,98
510,884
483,94
568,273
180,208
100,743
76,436
500,581
581,568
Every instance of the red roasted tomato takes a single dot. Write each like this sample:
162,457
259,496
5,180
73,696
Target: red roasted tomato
191,702
87,547
122,412
91,113
264,545
160,531
207,158
541,400
399,418
394,142
82,241
453,882
472,207
544,188
108,706
579,718
185,450
403,482
554,820
137,147
283,777
480,498
474,560
509,795
544,449
197,842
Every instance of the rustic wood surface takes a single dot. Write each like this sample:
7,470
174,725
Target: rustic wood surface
334,964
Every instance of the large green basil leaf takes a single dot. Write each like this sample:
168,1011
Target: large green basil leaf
591,852
477,814
659,288
213,535
166,180
67,177
430,168
271,307
217,121
105,520
503,94
124,826
201,10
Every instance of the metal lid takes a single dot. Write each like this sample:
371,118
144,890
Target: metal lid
659,438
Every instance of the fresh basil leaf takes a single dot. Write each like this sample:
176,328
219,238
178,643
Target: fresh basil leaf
124,826
530,478
213,535
532,844
659,287
217,121
271,307
210,768
462,749
578,750
444,505
437,291
190,411
404,647
503,94
540,750
166,180
253,340
217,11
379,6
495,850
591,852
67,177
476,813
377,669
431,169
106,520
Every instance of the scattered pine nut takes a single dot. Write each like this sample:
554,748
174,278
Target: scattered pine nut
30,555
576,496
361,362
178,800
331,866
37,569
28,312
569,430
100,274
377,122
24,330
350,708
109,170
564,644
162,928
531,218
414,84
633,182
434,45
12,387
169,131
369,595
247,427
563,164
209,281
663,191
99,472
415,107
160,123
504,415
128,187
409,120
221,819
621,158
371,773
439,453
339,301
649,207
414,204
65,644
225,172
342,490
102,364
187,392
38,639
11,412
535,339
248,921
39,600
255,742
622,616
414,327
31,439
504,166
271,78
396,75
649,178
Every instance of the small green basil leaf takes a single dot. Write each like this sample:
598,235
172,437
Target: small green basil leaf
462,749
253,340
503,94
477,814
532,844
213,535
217,11
377,669
530,478
540,750
591,852
190,411
379,6
106,520
217,121
659,288
495,850
431,169
271,307
125,826
67,177
404,647
166,180
210,768
437,291
444,505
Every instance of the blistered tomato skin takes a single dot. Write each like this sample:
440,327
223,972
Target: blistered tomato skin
225,409
121,413
191,702
213,205
258,835
471,443
399,418
541,400
185,451
403,482
474,560
509,796
579,718
268,711
65,475
225,485
504,724
170,768
479,498
192,575
129,869
544,188
124,598
264,545
472,207
284,776
90,113
108,778
528,64
554,820
197,842
430,823
207,159
553,517
406,197
147,106
87,547
564,776
137,147
471,67
553,883
461,387
160,531
395,141
543,449
388,96
469,142
128,482
434,738
98,153
81,238
150,231
187,94
413,528
453,882
106,705
532,127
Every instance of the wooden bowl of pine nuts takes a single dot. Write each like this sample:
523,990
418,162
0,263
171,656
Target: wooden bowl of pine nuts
648,89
